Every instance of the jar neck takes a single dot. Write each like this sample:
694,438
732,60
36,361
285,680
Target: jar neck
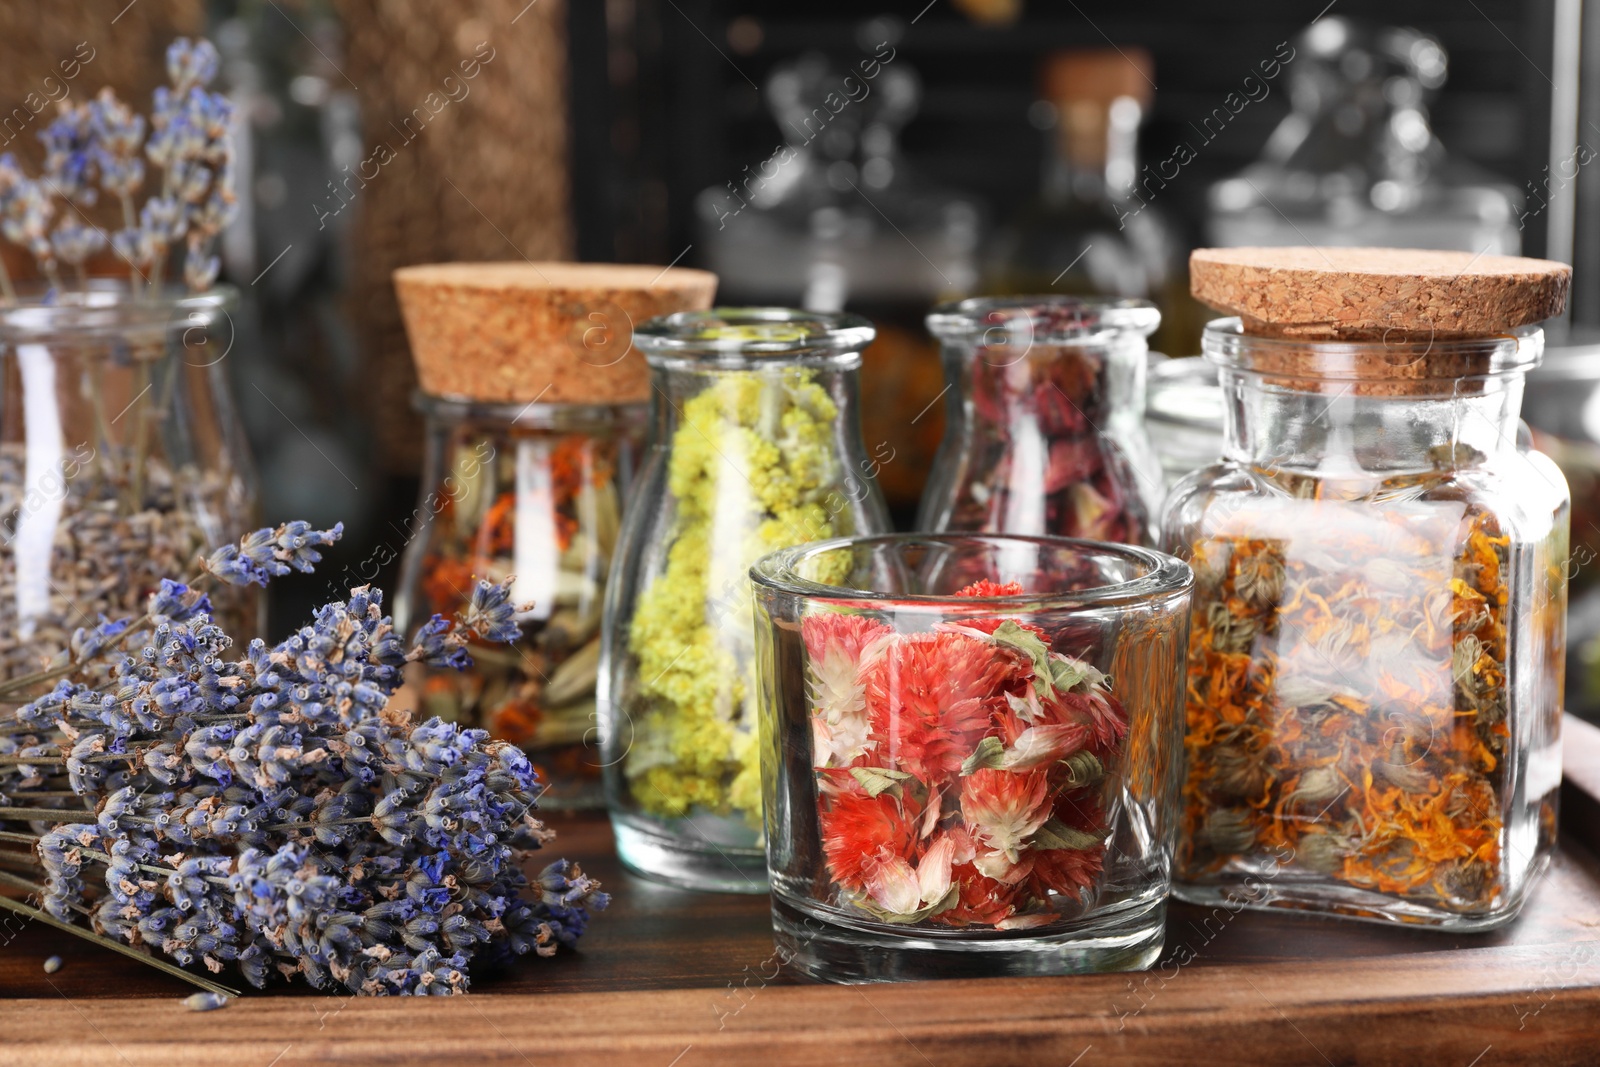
1334,432
1095,383
791,405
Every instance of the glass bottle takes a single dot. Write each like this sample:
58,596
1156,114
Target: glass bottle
756,446
1375,662
1356,161
1183,414
1045,419
972,753
121,458
1089,230
865,232
535,491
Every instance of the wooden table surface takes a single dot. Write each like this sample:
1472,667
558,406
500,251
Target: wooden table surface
671,978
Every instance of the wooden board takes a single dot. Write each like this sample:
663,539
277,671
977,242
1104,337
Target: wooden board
677,979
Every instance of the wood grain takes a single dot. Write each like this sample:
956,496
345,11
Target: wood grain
669,977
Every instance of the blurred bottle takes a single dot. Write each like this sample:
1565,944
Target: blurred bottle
1083,234
835,220
1356,162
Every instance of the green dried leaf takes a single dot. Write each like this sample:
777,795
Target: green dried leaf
944,903
989,754
1083,768
1031,645
1057,834
876,780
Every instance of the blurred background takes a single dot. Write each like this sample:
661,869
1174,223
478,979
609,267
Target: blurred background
841,155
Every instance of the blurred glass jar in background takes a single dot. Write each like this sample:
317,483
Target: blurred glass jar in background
1045,425
859,230
535,491
1085,232
1183,412
1356,161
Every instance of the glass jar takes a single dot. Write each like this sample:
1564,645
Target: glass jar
534,491
971,753
756,446
121,458
1183,414
1375,660
1045,419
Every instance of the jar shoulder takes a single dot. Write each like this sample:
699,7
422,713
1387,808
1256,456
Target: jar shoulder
1523,492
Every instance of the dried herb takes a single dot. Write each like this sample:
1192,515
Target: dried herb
272,813
103,557
753,468
539,693
957,770
1038,458
1347,695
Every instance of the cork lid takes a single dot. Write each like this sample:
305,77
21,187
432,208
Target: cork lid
559,333
1353,293
1377,322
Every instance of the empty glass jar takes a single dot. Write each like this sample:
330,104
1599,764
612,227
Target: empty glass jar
756,446
971,753
1045,419
1375,661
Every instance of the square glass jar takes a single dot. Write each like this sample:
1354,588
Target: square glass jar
1375,664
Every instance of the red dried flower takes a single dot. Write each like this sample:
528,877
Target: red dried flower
1003,809
931,697
982,901
839,714
1065,870
860,832
837,634
985,587
1101,715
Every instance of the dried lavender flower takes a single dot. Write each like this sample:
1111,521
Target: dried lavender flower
101,145
268,812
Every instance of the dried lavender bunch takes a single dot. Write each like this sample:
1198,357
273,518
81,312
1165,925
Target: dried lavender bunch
96,146
268,812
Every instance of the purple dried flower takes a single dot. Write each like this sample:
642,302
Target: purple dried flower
70,155
490,613
74,241
117,137
269,812
270,552
191,63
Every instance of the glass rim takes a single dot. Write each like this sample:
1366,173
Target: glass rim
1049,318
736,338
1164,575
1225,344
532,415
108,308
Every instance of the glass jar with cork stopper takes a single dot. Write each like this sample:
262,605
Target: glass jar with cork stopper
1375,659
535,405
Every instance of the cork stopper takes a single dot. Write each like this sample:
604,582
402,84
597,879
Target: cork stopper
558,333
1408,317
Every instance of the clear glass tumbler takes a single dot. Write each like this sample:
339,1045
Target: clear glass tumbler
971,752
